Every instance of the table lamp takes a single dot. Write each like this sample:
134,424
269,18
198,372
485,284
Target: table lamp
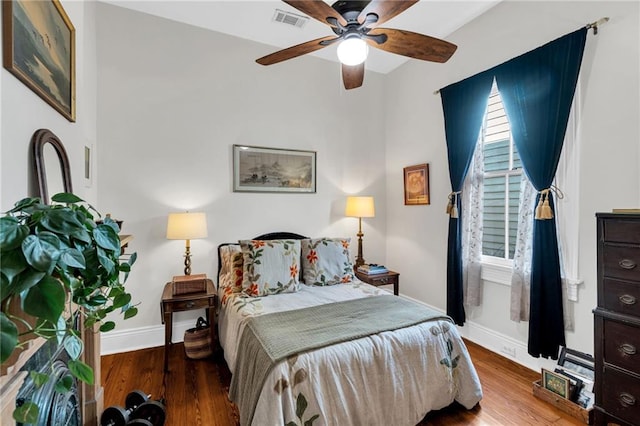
187,226
360,207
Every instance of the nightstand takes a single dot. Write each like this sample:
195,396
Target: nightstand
186,302
386,278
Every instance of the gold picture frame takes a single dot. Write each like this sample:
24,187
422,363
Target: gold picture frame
416,185
556,383
39,49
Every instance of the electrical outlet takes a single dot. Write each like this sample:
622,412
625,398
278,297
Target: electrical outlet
509,350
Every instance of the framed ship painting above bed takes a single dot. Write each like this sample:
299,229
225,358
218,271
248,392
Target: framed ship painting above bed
38,47
260,169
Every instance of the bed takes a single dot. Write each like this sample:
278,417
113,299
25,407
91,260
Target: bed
336,352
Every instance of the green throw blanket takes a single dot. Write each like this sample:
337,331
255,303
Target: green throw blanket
270,338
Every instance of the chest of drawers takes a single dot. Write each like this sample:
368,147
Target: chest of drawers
617,320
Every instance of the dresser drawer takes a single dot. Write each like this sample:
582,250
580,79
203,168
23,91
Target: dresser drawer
622,231
186,305
621,395
621,262
622,346
622,296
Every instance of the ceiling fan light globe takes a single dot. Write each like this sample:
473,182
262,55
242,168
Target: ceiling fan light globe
352,51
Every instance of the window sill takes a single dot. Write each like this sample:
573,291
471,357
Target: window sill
497,272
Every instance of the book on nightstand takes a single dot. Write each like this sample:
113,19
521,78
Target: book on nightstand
372,269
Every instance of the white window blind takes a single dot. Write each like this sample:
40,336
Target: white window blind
502,175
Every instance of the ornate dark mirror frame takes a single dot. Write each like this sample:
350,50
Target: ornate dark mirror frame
39,140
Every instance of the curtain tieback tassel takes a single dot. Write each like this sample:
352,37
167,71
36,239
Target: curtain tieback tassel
543,209
452,206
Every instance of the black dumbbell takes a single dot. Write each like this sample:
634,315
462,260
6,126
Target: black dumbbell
118,416
151,411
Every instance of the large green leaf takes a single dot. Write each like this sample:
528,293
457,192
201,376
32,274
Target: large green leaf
61,221
13,262
42,251
26,279
26,413
107,326
8,337
45,300
121,300
73,258
131,312
66,197
12,233
107,238
81,371
73,346
106,261
64,384
39,379
23,204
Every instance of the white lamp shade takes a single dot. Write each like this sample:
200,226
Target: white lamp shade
353,51
360,207
186,226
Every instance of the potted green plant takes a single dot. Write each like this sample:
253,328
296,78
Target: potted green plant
58,267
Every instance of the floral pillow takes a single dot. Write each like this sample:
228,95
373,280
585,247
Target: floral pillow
226,264
270,266
325,261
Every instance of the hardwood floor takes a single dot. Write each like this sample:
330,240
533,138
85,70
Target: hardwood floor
195,391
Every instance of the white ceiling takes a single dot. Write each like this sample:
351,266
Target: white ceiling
252,20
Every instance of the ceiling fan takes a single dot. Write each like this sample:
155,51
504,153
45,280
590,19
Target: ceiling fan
355,24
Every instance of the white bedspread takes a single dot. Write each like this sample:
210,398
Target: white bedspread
392,378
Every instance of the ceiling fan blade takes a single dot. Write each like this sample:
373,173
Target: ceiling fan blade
352,76
413,45
385,9
295,51
317,9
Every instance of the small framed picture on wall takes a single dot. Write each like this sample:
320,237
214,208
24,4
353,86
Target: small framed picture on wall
416,185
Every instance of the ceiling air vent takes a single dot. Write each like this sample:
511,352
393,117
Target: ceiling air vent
289,18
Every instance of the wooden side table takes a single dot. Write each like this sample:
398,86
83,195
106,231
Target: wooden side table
387,278
186,302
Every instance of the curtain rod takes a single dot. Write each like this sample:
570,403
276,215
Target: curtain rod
593,25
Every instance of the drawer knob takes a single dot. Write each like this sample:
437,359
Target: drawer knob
626,399
191,304
627,299
384,280
627,264
627,349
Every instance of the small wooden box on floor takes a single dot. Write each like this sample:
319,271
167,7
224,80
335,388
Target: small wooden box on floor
563,404
186,284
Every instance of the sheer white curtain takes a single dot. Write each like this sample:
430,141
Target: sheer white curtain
521,275
568,211
472,205
567,205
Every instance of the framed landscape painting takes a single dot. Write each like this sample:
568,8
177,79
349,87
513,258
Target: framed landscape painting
39,49
259,169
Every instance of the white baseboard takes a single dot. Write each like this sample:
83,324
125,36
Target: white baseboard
140,338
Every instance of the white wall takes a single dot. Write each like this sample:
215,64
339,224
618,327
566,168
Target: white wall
173,99
610,177
23,112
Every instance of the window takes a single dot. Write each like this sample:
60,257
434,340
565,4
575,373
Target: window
502,177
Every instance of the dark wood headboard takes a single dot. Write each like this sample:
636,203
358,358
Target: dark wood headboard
269,236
